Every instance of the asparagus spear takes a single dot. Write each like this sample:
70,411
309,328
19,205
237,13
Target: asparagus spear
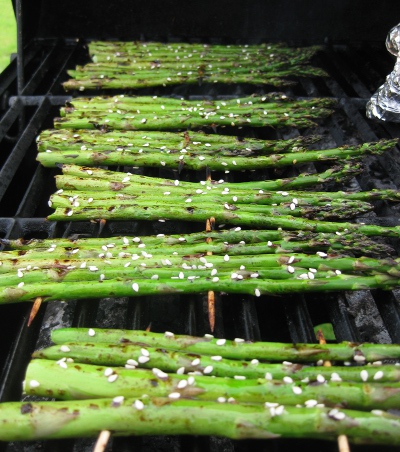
232,349
86,381
46,420
197,161
64,140
127,354
128,287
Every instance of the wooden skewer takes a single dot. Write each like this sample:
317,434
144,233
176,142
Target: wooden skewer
211,295
102,441
35,308
342,440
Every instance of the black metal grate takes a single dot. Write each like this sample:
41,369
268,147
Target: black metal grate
355,72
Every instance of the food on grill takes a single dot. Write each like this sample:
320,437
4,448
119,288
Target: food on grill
128,400
69,381
167,359
163,113
233,349
98,194
21,421
130,267
184,151
131,65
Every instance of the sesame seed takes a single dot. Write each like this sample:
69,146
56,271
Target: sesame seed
268,376
159,374
215,279
377,412
255,362
143,359
239,377
271,404
135,287
196,362
132,362
169,334
34,384
364,375
174,395
20,285
138,404
180,371
291,260
335,377
108,372
221,342
310,403
320,378
378,375
216,358
144,352
182,384
297,390
257,292
91,332
118,400
287,380
191,381
65,348
359,358
63,364
112,378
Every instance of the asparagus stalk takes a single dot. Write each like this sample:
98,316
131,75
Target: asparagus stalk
121,287
127,354
232,349
64,140
48,420
198,161
86,381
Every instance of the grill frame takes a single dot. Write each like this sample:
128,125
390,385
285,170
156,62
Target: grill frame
28,108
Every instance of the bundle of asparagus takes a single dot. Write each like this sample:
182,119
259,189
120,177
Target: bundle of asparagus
94,194
131,65
162,113
193,151
95,268
312,400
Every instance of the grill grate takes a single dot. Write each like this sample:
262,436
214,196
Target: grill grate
25,188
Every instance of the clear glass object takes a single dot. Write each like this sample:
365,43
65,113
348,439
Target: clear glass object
385,103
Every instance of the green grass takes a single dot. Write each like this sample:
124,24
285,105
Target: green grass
8,33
